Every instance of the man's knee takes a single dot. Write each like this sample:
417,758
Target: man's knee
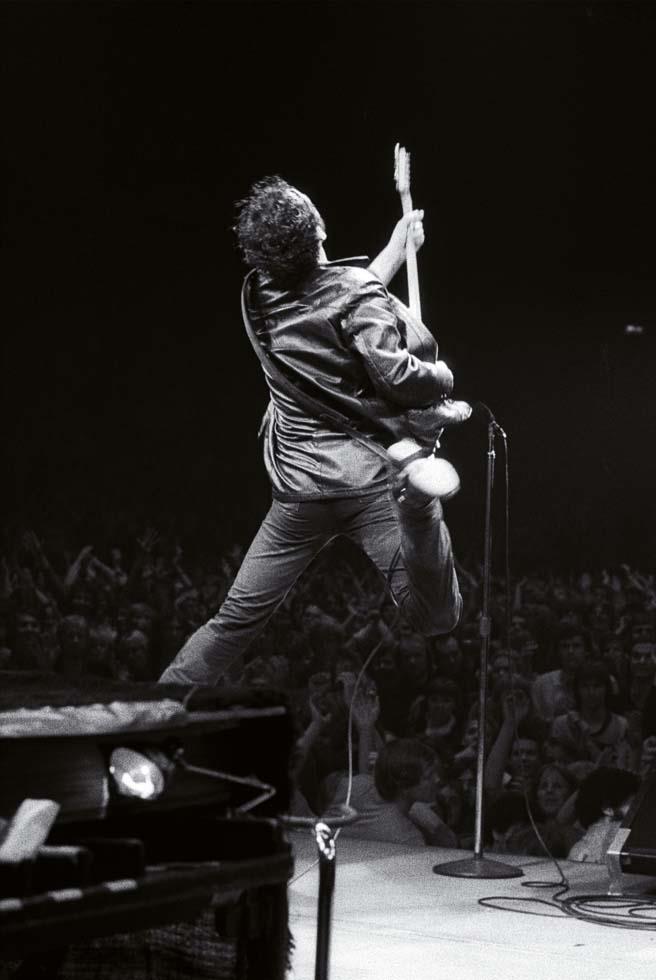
435,620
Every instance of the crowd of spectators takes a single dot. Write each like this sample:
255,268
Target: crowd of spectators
571,696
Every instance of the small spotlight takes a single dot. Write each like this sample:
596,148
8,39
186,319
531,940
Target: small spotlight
135,774
633,330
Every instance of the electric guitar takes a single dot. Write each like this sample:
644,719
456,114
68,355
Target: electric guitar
430,475
402,179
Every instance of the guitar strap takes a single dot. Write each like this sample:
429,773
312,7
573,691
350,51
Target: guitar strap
315,409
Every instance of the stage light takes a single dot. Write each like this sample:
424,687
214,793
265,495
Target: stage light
134,774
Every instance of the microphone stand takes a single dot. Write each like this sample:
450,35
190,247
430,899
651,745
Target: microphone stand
325,838
479,866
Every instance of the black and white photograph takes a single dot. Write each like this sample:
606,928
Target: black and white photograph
328,538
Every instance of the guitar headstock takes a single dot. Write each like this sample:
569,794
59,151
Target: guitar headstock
402,169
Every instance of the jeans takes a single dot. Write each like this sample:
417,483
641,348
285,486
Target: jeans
423,578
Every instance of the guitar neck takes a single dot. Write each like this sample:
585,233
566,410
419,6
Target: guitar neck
411,262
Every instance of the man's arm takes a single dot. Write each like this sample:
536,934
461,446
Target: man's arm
388,262
373,330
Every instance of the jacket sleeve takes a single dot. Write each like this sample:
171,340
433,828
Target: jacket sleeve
372,329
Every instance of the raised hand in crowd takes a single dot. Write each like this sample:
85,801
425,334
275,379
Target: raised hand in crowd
79,565
33,547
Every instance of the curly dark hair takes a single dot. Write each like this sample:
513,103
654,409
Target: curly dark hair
277,230
592,672
605,787
401,765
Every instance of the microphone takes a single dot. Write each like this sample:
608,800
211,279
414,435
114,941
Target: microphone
483,412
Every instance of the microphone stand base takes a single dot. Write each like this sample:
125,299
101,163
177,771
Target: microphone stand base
477,867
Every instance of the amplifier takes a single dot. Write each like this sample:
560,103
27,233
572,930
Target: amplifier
633,849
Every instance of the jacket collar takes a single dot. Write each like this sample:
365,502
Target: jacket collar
361,261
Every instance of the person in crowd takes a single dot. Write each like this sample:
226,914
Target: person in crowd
325,482
28,652
514,759
385,670
400,806
73,646
531,602
640,697
101,654
642,673
436,716
368,738
524,651
541,822
556,789
615,660
592,731
134,656
647,757
553,692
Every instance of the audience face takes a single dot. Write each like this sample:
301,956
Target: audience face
192,609
470,736
122,619
648,756
414,657
50,617
141,618
572,653
523,652
74,632
319,685
642,632
552,791
600,622
500,670
441,708
592,695
81,602
345,664
553,750
570,617
28,647
560,595
73,644
27,627
100,657
384,664
312,619
612,656
524,757
135,656
448,655
643,661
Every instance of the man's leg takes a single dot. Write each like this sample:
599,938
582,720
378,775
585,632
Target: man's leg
423,579
288,539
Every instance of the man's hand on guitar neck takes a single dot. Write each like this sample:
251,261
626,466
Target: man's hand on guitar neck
392,257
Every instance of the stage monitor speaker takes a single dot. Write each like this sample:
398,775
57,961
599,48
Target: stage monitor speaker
633,849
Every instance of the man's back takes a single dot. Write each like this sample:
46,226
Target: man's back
341,338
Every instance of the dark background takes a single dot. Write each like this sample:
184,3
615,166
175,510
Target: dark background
131,129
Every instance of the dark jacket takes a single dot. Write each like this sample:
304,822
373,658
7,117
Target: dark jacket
340,336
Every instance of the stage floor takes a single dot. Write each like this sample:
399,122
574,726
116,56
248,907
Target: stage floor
394,919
